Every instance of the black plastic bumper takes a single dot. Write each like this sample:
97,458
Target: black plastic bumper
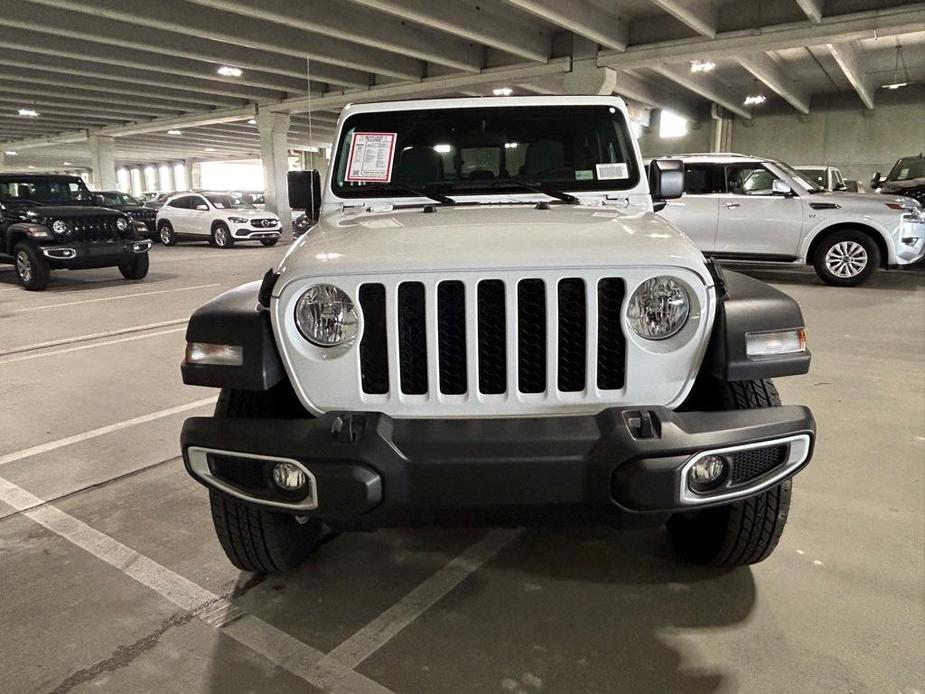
372,470
83,256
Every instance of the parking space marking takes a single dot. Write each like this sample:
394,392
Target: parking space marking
116,298
93,336
383,628
101,431
218,612
79,348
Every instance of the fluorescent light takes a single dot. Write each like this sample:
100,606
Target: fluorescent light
210,149
702,65
895,85
174,132
226,71
28,112
510,145
755,100
443,149
10,153
66,163
252,121
502,91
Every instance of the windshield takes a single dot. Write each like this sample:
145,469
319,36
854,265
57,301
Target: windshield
484,150
228,202
119,199
45,190
801,178
907,169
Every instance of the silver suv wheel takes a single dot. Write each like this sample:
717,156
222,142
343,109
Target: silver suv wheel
24,266
846,259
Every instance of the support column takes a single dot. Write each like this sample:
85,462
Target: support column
274,154
165,182
194,174
103,162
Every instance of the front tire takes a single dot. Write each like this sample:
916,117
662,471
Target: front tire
166,234
255,539
846,258
221,236
743,532
136,268
269,242
32,269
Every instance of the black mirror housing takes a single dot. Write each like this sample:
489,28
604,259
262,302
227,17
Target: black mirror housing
666,179
876,181
305,192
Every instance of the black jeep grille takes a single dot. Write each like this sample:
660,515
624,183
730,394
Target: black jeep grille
754,463
94,229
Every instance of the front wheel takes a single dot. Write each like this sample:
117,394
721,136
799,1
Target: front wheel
32,269
743,532
269,242
255,539
136,268
221,236
846,258
166,234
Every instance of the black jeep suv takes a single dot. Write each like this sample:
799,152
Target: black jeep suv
133,207
54,222
907,177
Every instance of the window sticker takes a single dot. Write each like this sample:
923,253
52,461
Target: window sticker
606,172
584,175
371,157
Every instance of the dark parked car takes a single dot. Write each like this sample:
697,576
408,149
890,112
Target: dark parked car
907,177
133,207
50,222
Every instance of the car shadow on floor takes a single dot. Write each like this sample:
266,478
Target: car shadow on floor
71,282
585,609
904,279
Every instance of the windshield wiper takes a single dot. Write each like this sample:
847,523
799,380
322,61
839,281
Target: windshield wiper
536,187
437,197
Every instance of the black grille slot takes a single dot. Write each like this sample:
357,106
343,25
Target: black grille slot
412,338
611,344
531,335
573,338
374,351
754,463
451,331
94,229
492,337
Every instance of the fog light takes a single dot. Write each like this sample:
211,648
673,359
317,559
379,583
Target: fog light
772,344
707,473
289,477
214,355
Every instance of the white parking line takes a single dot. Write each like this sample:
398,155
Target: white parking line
218,612
115,298
79,348
383,628
93,336
108,429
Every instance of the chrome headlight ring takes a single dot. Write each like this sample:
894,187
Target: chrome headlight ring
326,316
660,307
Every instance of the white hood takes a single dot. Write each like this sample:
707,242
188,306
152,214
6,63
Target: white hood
488,237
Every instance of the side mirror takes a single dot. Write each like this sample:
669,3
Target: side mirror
877,180
778,187
305,192
204,208
666,179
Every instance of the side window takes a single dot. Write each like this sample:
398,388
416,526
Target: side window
702,179
195,202
749,179
180,203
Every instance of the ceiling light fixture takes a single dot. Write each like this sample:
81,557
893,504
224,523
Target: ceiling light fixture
66,163
174,132
702,65
756,98
226,71
252,121
897,82
210,149
28,113
502,91
10,153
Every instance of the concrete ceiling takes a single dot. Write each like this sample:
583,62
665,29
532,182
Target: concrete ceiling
135,69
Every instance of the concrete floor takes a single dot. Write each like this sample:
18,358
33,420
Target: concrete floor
116,583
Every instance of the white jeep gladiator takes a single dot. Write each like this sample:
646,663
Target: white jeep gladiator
490,325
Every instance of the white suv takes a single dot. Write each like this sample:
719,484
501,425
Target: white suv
827,177
747,209
220,217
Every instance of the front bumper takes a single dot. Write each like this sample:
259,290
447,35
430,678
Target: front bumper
83,255
911,246
623,464
246,233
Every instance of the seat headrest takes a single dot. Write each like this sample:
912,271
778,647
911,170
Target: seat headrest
543,155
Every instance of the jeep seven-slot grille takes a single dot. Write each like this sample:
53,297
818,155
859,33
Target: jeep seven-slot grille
493,336
94,229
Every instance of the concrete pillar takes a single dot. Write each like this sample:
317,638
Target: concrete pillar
165,180
102,161
194,174
274,154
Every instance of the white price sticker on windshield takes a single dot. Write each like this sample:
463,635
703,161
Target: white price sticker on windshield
607,172
371,157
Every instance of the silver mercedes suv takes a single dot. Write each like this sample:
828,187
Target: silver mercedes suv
752,210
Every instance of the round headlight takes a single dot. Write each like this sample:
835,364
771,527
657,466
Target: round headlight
659,308
59,226
121,224
326,316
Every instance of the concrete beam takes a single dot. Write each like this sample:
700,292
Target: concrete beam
102,162
812,9
351,23
776,78
79,108
631,86
704,86
582,18
274,153
848,27
215,25
157,107
472,22
847,55
699,15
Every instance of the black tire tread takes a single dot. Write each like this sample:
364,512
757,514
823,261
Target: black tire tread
41,270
